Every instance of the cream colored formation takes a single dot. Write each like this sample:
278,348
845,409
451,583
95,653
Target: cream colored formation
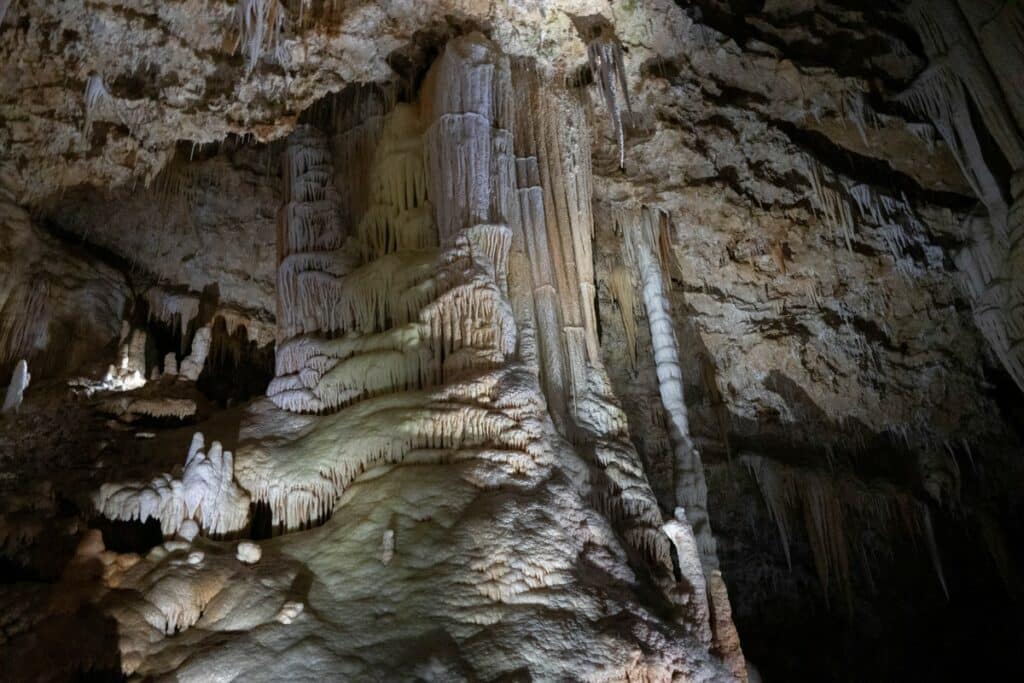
440,427
976,49
445,325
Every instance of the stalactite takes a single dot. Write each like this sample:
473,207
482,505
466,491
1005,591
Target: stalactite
174,309
382,430
129,408
832,203
469,140
960,68
95,94
989,268
623,291
938,94
310,236
24,321
20,379
895,218
858,112
948,39
826,501
359,116
471,181
554,178
604,54
641,228
390,290
998,27
462,304
260,24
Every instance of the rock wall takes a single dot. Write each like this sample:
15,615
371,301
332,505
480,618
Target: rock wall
59,308
572,322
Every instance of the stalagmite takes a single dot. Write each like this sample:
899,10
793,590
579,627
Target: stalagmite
727,637
248,552
128,373
192,365
206,493
16,389
691,568
133,352
170,364
188,530
387,552
646,248
290,611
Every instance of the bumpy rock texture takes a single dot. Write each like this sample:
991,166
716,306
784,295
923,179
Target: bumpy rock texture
576,340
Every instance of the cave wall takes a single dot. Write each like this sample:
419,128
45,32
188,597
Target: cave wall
59,307
811,225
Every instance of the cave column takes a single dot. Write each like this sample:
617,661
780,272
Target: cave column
467,102
552,147
642,229
308,226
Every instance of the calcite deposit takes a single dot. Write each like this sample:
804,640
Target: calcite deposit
460,340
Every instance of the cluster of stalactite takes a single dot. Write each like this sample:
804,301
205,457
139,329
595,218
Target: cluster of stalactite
826,501
976,49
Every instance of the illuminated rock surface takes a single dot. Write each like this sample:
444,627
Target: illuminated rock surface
453,340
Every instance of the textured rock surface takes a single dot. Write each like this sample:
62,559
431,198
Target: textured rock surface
189,230
858,434
58,307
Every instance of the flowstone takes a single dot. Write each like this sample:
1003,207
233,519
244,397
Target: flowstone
409,427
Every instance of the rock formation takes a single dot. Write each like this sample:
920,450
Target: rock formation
16,389
544,341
